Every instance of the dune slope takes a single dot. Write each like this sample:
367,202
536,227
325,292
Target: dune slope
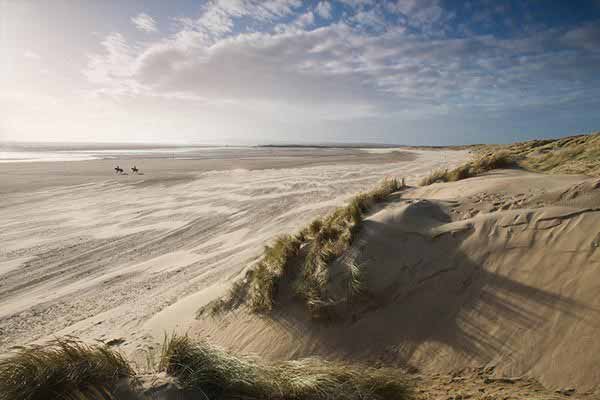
497,271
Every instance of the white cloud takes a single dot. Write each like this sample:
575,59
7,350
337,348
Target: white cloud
323,9
358,3
402,6
421,13
31,55
218,16
306,19
372,19
112,71
144,23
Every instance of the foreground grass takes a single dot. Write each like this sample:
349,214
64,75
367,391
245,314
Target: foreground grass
62,369
70,370
302,261
220,375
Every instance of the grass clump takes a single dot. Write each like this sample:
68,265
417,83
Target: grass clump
220,375
437,175
62,369
302,261
483,163
323,241
234,298
265,278
578,154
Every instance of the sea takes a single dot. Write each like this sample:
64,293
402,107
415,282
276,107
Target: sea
35,152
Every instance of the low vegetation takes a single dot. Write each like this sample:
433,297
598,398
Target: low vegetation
70,370
483,163
62,369
569,155
220,375
303,260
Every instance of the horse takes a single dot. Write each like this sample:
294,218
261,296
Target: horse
134,170
118,170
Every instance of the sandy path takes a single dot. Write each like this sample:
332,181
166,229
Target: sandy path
99,258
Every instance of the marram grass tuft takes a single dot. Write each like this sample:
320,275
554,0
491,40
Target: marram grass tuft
305,258
63,369
219,375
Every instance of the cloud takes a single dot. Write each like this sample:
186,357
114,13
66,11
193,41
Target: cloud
355,67
323,9
31,55
371,19
144,23
112,70
218,17
306,19
358,3
420,13
586,36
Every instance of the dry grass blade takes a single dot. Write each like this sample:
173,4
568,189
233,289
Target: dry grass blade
356,281
220,375
64,368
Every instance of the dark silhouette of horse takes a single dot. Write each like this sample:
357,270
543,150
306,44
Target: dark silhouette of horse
118,170
134,170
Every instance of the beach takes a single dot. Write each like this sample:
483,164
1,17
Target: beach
89,253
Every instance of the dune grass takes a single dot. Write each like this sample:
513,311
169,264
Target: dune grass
571,155
71,370
482,163
220,375
578,154
63,369
266,277
302,260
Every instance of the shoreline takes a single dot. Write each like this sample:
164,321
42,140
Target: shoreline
36,175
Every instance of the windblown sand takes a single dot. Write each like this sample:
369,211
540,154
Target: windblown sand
88,253
499,272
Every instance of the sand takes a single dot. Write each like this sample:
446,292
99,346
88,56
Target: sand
99,256
32,176
499,272
486,288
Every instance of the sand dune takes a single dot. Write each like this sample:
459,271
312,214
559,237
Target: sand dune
498,271
84,252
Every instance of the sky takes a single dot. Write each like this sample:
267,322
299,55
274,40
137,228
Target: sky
430,72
